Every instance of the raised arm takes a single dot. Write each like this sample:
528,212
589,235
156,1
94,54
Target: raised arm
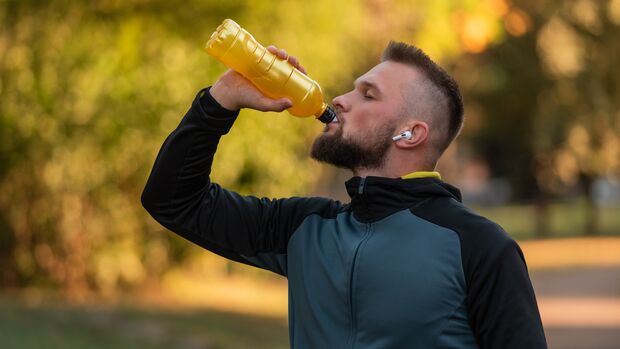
180,195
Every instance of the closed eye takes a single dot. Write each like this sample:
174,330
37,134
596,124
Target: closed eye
368,95
368,89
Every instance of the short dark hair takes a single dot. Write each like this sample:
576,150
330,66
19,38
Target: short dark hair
411,55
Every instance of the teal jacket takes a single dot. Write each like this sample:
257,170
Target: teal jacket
403,265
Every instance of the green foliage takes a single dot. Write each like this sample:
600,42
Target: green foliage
565,219
88,95
90,89
66,327
547,99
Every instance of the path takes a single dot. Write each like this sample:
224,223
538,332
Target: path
580,307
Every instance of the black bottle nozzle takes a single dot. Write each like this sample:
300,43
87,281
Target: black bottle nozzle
328,115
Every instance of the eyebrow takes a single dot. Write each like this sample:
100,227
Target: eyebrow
367,84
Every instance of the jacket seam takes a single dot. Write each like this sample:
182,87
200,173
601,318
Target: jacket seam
460,248
446,321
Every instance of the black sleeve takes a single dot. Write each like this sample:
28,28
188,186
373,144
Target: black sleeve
180,196
501,304
500,299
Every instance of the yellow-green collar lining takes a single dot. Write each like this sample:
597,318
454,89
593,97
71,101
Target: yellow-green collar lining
422,174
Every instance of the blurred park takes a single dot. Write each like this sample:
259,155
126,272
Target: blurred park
90,89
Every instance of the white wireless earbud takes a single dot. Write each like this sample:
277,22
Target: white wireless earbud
405,135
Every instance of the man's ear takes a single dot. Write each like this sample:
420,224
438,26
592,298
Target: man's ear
419,135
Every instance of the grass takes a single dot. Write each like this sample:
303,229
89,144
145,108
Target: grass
565,219
69,326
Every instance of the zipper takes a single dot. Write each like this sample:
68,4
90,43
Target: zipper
368,233
361,187
353,334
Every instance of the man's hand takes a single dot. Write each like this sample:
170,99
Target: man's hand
232,91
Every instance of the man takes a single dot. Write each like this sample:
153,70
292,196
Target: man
404,264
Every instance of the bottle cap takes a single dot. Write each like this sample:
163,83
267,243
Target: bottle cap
328,115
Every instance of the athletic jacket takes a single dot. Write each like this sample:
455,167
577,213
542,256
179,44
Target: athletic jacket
403,265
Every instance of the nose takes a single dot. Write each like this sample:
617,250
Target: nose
341,103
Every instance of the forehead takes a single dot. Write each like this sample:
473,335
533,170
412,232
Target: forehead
389,76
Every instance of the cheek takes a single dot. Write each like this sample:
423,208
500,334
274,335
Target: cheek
358,134
366,127
364,123
360,125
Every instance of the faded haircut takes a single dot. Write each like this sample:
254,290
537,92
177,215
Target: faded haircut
449,99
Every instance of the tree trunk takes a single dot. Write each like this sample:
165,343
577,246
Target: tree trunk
591,209
541,215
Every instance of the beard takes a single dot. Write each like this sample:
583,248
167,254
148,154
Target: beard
352,154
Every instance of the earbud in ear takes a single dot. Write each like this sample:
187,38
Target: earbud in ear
405,135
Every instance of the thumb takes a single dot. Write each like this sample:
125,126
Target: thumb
276,105
284,103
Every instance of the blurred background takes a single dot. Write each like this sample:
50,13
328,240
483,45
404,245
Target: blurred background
90,89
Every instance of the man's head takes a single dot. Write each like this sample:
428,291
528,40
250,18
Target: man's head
407,91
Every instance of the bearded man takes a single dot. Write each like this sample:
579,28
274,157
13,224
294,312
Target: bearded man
403,265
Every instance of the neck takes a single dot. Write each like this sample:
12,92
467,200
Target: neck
395,167
390,172
366,172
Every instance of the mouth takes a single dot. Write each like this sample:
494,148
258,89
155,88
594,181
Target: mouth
333,125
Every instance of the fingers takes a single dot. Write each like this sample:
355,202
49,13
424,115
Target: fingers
282,54
295,63
301,69
272,49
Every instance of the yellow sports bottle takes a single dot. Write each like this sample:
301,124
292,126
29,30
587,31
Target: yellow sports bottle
276,78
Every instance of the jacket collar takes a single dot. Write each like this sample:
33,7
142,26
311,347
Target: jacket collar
374,198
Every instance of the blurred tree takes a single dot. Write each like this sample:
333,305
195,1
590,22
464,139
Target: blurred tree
587,85
89,90
502,85
549,100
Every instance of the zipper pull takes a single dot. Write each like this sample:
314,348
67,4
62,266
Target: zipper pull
360,188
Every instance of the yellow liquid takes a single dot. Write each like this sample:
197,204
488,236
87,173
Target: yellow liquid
238,50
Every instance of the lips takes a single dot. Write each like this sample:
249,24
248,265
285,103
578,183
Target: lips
333,125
